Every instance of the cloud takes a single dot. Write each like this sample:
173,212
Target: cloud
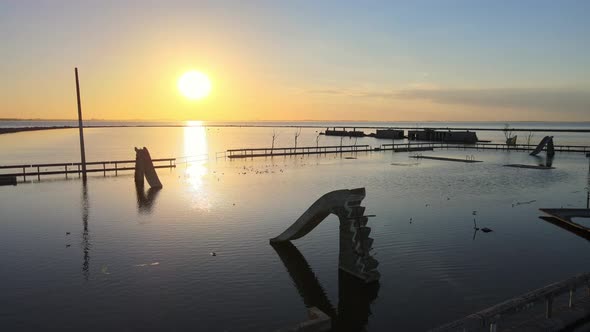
542,99
549,99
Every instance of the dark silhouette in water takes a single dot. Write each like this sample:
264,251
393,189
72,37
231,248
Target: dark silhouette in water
85,234
305,280
476,229
144,167
354,295
547,162
567,227
145,201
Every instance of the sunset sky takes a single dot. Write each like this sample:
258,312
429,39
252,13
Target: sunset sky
298,60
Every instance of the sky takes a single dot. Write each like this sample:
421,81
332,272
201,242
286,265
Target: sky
439,60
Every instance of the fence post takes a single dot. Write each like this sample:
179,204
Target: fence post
493,327
549,307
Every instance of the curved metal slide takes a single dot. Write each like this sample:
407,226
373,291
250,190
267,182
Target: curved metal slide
355,244
332,202
547,140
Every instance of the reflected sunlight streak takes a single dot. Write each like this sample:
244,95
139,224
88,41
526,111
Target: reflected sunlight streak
196,154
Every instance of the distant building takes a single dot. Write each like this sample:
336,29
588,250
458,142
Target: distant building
443,136
389,134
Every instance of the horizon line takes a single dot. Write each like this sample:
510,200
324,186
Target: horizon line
307,120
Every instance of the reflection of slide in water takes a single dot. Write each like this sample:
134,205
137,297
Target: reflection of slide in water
355,243
145,201
144,167
307,283
564,217
354,296
567,227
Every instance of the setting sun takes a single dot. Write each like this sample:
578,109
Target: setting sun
194,85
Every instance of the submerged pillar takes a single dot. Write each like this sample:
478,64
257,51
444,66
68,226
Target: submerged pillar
80,128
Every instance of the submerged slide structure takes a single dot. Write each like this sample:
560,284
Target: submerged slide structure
546,141
355,244
144,167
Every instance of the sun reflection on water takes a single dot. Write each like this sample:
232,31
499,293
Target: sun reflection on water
196,154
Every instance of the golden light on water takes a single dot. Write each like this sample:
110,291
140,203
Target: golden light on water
196,153
194,85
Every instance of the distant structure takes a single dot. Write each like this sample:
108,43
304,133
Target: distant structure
344,132
7,180
144,167
355,244
389,134
443,136
511,141
546,141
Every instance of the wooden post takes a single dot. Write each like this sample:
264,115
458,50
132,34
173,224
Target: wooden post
80,127
549,303
493,327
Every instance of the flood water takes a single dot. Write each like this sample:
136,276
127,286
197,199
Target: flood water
142,260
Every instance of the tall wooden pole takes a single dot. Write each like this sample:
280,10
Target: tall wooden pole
81,128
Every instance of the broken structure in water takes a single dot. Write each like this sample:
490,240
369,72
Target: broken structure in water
380,133
443,136
344,132
389,134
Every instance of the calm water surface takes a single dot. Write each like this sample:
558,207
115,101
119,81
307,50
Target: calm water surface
141,259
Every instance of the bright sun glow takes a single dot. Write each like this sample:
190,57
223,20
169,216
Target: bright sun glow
194,85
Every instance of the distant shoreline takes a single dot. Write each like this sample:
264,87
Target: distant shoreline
13,130
245,122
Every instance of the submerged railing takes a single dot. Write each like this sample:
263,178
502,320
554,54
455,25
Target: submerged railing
268,152
481,146
490,318
36,170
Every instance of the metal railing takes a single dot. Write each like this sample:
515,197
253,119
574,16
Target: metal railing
488,319
36,170
268,152
483,146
